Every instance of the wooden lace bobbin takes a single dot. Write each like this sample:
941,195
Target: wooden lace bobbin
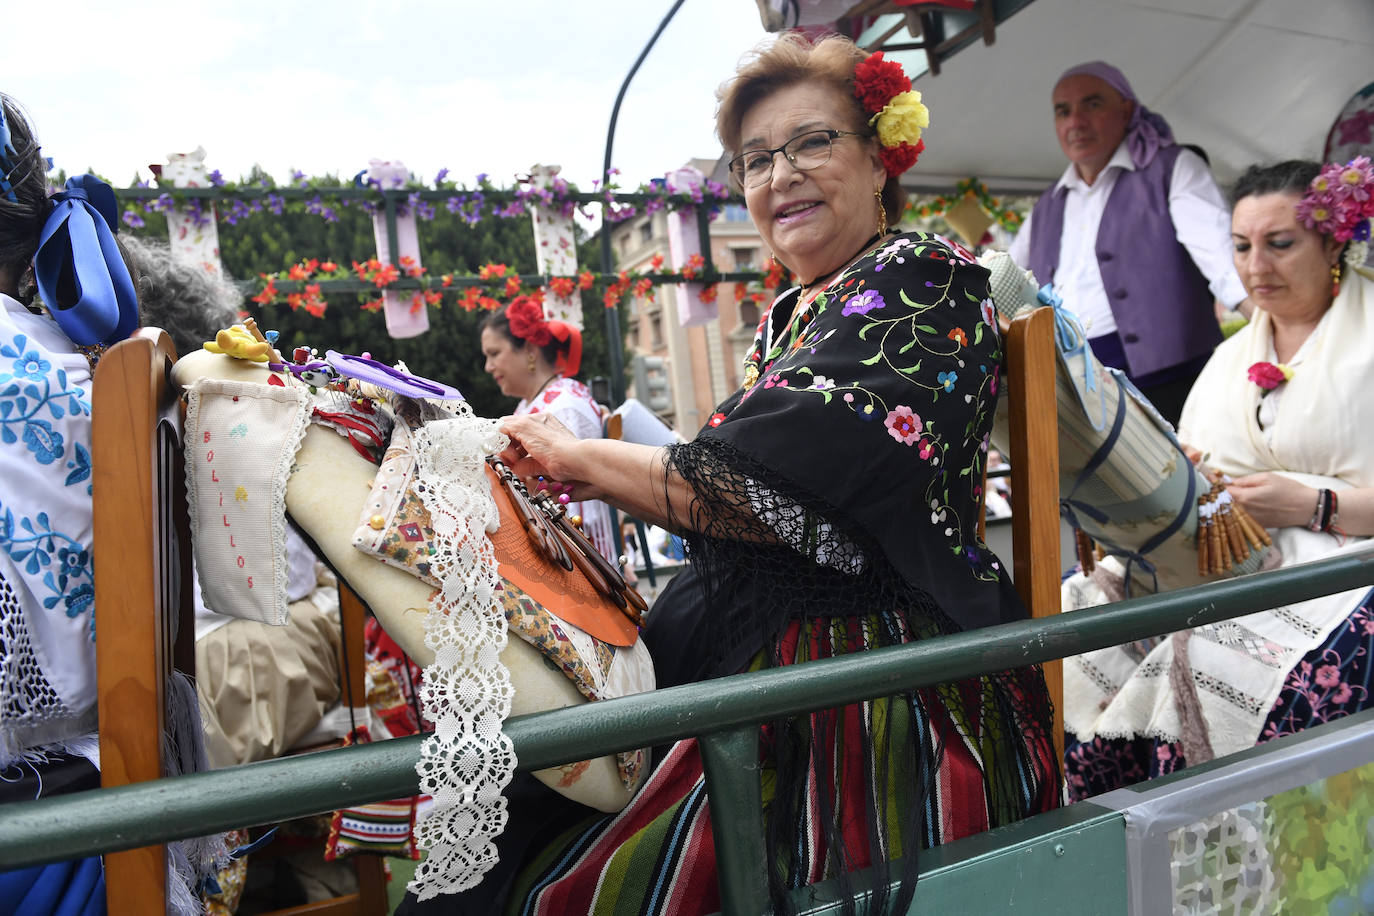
1253,529
1239,548
1085,547
1204,522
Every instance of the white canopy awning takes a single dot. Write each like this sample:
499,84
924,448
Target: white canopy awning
1247,80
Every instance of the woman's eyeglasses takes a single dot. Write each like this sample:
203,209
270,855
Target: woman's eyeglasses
807,151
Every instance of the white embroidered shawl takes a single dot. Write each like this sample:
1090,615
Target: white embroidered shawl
47,607
1321,437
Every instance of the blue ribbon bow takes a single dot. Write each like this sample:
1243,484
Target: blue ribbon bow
81,275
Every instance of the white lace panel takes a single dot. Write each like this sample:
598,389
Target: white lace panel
467,692
28,703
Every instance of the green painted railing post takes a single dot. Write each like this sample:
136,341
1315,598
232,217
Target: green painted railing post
735,796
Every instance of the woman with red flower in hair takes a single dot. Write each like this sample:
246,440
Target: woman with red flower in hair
534,359
828,507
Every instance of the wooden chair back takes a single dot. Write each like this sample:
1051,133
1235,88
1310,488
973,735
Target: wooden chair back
142,581
1034,427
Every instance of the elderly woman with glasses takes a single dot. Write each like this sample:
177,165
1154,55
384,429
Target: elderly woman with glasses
829,506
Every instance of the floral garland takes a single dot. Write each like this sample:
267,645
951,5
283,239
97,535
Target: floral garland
325,197
1006,217
1340,202
492,287
895,111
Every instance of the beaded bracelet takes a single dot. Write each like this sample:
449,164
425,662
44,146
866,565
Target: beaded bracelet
1324,516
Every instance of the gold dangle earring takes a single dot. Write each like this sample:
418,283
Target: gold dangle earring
529,362
1335,279
882,213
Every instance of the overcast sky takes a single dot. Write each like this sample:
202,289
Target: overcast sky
472,86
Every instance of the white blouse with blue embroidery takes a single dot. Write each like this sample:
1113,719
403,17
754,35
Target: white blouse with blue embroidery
47,599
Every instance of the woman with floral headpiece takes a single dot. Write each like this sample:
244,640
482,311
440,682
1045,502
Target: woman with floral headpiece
1282,415
829,506
534,359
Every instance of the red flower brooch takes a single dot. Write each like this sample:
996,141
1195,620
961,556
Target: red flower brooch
1269,375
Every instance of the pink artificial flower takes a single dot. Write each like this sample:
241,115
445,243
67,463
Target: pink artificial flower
1268,375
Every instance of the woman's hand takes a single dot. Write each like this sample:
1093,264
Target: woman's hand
1273,500
541,446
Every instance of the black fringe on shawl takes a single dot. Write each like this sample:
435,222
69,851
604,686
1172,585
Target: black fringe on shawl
761,549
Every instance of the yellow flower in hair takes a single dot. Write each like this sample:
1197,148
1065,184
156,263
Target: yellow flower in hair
902,119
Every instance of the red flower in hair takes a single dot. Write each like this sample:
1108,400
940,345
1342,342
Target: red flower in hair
876,81
527,321
897,159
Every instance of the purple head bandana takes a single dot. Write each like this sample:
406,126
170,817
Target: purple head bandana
1147,132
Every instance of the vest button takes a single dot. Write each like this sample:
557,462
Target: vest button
1120,294
1104,256
1131,338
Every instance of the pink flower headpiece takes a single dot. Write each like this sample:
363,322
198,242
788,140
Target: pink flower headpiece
527,322
895,111
1340,200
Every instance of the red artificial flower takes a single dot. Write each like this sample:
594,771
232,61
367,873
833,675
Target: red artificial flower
708,293
268,294
527,321
876,81
446,281
561,286
312,265
586,279
512,286
328,266
1267,375
656,262
373,305
433,296
417,303
297,272
470,297
386,275
897,159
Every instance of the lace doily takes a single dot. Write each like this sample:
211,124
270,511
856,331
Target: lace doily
467,692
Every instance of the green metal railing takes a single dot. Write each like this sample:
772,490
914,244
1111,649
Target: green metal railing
722,713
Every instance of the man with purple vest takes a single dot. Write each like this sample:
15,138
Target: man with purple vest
1135,237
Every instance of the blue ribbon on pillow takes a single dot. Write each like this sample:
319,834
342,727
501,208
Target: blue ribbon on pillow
81,276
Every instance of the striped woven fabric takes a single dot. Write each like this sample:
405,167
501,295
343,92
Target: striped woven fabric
657,856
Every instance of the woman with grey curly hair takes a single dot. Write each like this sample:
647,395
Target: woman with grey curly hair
186,299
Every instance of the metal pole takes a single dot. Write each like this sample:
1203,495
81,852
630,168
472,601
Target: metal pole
614,344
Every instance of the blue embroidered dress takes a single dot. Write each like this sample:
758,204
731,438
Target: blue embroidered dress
47,606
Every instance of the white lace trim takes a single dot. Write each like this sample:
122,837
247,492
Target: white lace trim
467,692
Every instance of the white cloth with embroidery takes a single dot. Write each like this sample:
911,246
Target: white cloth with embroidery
1321,438
47,606
572,403
241,439
468,760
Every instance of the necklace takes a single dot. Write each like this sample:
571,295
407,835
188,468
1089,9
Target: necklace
807,287
530,399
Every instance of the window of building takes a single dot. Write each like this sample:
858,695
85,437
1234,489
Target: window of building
746,258
735,213
749,314
646,232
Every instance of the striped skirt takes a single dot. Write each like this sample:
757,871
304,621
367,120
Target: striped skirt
879,780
